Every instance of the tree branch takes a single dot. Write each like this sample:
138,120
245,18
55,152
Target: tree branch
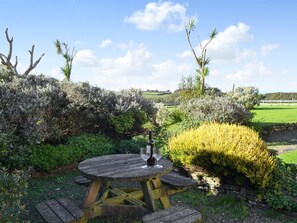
32,65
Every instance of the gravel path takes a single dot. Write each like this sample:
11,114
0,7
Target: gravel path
283,141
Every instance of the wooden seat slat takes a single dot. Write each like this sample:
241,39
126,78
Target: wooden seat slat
176,180
174,215
72,208
59,211
47,214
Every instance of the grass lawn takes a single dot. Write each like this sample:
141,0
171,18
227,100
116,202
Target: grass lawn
268,115
213,208
289,157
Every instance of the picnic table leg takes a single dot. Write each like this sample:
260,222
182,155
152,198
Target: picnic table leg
164,198
92,193
148,195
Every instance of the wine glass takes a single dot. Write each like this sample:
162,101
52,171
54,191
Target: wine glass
144,153
157,155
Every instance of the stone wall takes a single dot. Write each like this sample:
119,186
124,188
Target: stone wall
279,128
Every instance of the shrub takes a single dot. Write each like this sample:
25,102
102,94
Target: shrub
34,107
38,109
247,96
131,145
129,122
282,190
13,187
225,149
91,145
216,109
47,157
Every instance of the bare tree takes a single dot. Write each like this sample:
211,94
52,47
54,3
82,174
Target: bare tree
6,60
201,60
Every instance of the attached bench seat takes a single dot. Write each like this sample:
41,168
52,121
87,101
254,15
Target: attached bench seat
60,211
178,181
82,180
174,215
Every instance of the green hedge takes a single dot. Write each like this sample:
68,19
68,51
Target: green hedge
47,157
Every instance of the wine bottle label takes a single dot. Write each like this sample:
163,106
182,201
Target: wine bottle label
148,149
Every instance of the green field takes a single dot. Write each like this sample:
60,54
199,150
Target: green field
289,157
148,94
268,115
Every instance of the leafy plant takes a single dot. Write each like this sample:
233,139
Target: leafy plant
47,157
13,187
132,145
281,192
91,145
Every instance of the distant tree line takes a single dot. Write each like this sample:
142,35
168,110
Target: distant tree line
280,96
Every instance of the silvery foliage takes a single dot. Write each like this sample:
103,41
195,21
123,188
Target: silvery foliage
247,96
162,113
39,108
216,109
133,99
24,104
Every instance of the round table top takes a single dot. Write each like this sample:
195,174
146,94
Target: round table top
121,167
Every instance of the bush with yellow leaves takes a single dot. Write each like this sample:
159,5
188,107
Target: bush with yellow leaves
228,150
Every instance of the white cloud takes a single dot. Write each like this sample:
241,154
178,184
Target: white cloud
105,43
136,69
227,44
266,49
160,15
185,54
57,73
249,72
135,62
85,58
245,55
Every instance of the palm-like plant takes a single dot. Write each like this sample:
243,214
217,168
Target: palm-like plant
201,60
67,56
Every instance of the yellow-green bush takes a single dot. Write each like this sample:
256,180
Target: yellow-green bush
225,149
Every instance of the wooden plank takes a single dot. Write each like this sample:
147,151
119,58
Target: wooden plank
47,214
131,211
92,193
148,195
121,167
174,215
60,211
75,211
163,196
126,197
175,180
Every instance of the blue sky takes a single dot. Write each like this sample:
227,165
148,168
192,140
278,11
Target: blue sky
142,44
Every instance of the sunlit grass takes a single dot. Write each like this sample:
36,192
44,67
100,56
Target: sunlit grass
289,157
268,115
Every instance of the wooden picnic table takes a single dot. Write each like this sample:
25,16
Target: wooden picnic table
104,200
